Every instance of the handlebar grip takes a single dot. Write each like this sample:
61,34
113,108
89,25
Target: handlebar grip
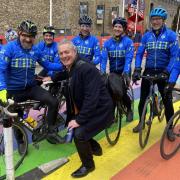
5,109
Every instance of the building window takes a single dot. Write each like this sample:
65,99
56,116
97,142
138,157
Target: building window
100,14
83,9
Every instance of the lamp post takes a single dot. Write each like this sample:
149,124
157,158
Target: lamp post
136,20
50,12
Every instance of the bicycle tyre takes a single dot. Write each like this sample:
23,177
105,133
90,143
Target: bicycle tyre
18,159
113,131
145,123
130,93
161,111
175,119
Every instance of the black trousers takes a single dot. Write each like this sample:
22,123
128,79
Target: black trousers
167,100
83,147
39,94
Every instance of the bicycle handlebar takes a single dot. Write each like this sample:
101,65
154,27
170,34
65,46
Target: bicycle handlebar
153,77
6,111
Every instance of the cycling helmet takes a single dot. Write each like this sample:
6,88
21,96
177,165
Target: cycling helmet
49,29
159,12
28,27
11,35
85,20
120,20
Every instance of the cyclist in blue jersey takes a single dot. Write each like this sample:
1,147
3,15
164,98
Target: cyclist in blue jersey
10,35
17,75
48,48
87,45
174,74
119,49
161,45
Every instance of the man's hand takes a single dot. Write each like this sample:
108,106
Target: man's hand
164,75
48,78
127,79
136,75
3,97
73,124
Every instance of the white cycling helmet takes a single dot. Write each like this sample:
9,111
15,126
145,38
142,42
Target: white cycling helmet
11,35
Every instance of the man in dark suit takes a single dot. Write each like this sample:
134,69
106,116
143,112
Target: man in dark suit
92,109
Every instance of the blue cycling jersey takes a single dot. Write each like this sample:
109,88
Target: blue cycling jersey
18,65
161,51
120,54
176,70
49,52
88,48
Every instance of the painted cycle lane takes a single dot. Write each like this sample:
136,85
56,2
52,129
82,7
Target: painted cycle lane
118,157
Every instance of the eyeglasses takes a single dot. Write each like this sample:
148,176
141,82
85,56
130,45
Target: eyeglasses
25,35
85,26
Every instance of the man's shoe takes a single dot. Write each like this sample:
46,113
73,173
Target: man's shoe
82,171
170,135
137,128
96,148
54,138
129,116
22,148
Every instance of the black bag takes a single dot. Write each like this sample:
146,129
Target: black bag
116,86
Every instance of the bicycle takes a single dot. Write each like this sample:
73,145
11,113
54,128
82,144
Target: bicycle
38,134
113,131
169,149
152,105
7,117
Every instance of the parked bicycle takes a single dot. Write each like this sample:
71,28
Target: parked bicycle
153,107
169,149
113,131
38,133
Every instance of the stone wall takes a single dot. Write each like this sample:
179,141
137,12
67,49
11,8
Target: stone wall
65,13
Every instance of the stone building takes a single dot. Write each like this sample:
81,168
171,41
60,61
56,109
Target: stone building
65,13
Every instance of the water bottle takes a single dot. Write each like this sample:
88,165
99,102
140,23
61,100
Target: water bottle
30,120
69,136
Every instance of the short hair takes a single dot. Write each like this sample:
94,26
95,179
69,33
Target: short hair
70,43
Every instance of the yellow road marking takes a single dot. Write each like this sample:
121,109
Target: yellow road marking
114,158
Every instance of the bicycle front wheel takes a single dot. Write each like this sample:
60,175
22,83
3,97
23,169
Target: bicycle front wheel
17,157
145,123
161,112
169,149
113,131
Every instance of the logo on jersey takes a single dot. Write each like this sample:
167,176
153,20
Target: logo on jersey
31,53
163,36
86,42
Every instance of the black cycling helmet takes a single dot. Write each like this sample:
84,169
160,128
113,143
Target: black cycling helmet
85,20
28,27
49,29
120,20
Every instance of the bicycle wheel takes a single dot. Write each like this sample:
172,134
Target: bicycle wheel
145,123
167,148
130,93
113,131
161,112
18,158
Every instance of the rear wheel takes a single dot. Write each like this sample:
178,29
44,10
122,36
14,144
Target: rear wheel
113,131
17,157
167,148
145,123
